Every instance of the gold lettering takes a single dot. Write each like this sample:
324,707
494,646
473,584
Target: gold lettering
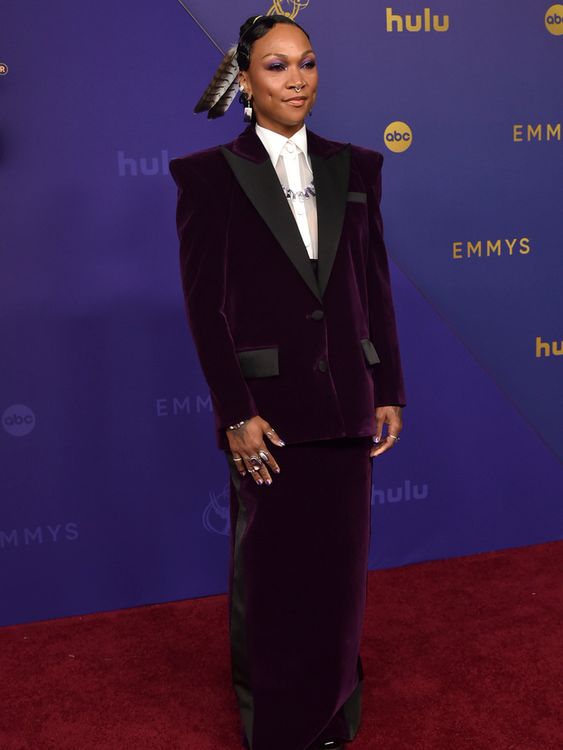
525,246
510,244
474,249
541,347
445,23
410,26
392,18
554,131
494,247
488,248
517,133
427,21
534,132
557,348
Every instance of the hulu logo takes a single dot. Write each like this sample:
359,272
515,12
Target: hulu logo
420,22
547,348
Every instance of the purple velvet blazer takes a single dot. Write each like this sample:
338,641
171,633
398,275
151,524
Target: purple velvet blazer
313,358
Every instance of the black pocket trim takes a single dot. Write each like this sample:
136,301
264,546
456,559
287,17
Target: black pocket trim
259,363
370,352
357,197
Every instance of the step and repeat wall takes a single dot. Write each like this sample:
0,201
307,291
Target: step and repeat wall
113,493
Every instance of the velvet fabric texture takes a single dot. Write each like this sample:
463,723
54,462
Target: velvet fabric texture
313,356
297,594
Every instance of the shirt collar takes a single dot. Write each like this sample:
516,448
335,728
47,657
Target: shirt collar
274,142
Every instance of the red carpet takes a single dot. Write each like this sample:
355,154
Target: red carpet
462,654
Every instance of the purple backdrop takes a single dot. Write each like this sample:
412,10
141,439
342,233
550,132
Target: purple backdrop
113,493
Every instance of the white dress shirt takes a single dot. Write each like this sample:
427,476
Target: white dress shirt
293,167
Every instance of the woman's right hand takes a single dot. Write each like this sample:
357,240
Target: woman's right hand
250,452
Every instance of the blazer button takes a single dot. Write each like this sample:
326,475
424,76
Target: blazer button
317,314
322,365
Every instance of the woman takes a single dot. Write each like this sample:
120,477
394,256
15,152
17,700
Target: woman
286,285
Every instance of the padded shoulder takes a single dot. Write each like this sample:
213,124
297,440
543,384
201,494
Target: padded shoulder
207,165
367,157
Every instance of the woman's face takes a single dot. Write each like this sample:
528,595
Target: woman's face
280,60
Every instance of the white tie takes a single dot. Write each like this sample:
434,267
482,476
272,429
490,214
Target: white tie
297,176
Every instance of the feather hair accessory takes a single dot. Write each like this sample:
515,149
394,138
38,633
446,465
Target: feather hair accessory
218,96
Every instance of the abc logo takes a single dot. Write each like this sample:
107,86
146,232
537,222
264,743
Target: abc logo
397,136
554,19
18,420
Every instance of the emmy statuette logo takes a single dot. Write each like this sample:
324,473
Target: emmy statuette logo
397,136
216,514
289,8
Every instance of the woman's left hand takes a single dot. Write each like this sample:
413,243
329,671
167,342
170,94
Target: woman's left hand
392,417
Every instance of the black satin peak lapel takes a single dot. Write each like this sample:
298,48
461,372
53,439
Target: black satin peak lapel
331,176
261,184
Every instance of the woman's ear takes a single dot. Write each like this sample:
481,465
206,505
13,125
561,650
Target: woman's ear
243,84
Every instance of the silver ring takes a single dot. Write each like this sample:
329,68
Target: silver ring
237,459
255,460
394,437
263,455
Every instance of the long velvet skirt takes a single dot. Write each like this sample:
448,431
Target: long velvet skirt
298,578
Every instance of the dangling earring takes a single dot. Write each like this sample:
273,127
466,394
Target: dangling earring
246,100
248,110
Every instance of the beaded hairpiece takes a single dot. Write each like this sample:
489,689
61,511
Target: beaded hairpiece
219,94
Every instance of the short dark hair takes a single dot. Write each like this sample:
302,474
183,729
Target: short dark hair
250,32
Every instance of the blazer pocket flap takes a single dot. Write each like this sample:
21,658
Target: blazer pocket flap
370,352
259,363
357,197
